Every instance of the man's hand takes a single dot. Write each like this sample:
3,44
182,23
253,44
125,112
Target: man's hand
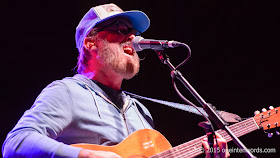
85,153
222,150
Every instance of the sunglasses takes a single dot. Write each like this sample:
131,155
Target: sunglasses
120,28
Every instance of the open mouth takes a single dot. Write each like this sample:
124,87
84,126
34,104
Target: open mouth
128,50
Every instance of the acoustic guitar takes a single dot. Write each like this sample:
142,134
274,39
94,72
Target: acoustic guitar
148,143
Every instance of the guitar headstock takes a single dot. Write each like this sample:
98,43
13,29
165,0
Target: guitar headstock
268,119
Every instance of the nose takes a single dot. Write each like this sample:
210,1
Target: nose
130,37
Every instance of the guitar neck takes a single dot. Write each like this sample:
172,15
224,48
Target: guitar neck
193,147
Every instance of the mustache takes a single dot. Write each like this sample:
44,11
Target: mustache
127,43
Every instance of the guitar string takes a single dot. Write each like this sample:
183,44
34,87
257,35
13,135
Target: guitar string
195,153
235,128
238,134
247,124
198,143
180,147
189,153
227,137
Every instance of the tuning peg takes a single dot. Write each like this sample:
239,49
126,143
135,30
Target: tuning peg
271,107
269,135
264,110
257,112
277,128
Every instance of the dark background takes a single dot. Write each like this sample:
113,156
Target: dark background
234,63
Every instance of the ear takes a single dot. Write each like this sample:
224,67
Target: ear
89,43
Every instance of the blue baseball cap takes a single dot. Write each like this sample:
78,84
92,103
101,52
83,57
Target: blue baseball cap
98,14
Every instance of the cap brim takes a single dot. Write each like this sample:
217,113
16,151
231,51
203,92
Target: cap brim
138,19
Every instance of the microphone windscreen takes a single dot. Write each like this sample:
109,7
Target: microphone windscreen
135,43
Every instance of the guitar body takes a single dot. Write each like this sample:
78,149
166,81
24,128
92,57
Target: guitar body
140,144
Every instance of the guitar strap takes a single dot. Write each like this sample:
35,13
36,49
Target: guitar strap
229,117
179,106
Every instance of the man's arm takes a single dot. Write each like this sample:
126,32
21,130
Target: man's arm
34,134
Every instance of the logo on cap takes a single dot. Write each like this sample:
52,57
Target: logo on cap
112,8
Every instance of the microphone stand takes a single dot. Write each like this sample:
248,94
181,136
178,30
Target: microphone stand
212,113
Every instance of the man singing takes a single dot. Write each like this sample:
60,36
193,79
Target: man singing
89,107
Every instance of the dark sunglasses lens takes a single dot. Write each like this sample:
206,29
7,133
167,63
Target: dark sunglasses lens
128,31
123,29
120,28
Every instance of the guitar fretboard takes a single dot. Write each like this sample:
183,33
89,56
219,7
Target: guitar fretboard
194,147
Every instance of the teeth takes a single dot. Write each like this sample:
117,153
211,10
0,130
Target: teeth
127,50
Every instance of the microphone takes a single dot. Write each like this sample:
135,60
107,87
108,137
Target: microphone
139,44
